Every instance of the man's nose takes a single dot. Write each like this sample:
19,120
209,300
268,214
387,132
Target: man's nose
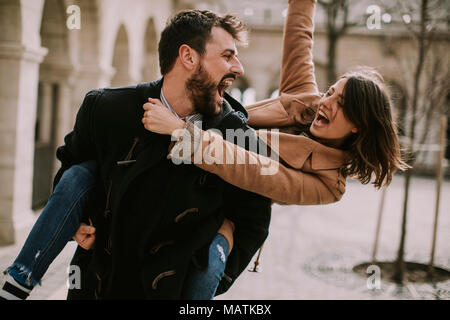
237,68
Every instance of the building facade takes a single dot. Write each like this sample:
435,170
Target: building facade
51,54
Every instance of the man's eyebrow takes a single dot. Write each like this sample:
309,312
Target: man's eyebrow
232,51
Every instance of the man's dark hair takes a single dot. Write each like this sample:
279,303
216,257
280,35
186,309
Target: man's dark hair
193,28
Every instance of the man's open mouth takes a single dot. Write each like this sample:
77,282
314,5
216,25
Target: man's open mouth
223,86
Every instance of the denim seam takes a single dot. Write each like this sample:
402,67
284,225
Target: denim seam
56,235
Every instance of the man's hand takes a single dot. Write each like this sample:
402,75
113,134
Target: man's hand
85,236
159,119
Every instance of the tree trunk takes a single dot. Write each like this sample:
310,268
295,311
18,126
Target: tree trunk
331,68
400,262
439,177
377,231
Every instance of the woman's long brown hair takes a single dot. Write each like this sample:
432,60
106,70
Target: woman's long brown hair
375,149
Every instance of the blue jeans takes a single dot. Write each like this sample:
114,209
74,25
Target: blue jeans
56,225
202,284
60,220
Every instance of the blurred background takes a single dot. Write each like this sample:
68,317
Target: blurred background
52,52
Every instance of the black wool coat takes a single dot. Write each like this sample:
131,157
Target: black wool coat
154,220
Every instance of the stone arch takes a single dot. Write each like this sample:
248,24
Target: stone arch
10,21
150,69
89,35
53,101
91,69
54,33
121,59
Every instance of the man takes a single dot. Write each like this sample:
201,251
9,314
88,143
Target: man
155,220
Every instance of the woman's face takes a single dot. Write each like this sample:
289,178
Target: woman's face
330,125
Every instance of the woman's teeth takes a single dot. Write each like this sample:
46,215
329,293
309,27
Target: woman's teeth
323,115
321,119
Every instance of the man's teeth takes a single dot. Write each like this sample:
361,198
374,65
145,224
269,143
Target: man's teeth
227,83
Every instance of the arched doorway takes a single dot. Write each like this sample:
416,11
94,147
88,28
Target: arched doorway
150,70
52,71
121,59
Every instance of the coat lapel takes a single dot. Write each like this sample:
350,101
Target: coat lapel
152,147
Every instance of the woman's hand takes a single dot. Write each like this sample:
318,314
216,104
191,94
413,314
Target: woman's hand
85,236
159,119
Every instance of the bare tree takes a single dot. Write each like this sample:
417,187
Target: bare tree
439,177
426,89
337,24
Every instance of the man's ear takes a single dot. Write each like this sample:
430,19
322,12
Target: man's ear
189,58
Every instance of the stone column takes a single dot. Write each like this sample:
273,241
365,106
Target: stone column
64,118
18,95
46,113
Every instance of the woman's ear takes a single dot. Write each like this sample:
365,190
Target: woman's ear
355,130
189,58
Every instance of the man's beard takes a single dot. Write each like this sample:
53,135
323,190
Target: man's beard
201,90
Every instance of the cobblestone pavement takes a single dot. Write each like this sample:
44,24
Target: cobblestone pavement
311,250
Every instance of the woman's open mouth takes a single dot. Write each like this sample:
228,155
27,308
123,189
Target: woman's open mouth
321,119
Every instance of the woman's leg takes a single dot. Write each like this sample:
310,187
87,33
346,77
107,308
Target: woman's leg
202,284
55,226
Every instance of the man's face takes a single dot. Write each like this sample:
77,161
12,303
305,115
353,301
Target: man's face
217,69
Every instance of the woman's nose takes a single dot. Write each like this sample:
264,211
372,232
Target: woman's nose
325,102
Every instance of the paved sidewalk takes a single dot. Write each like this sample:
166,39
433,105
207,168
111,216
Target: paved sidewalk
311,249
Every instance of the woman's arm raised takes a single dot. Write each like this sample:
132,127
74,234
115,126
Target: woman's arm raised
297,67
298,88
